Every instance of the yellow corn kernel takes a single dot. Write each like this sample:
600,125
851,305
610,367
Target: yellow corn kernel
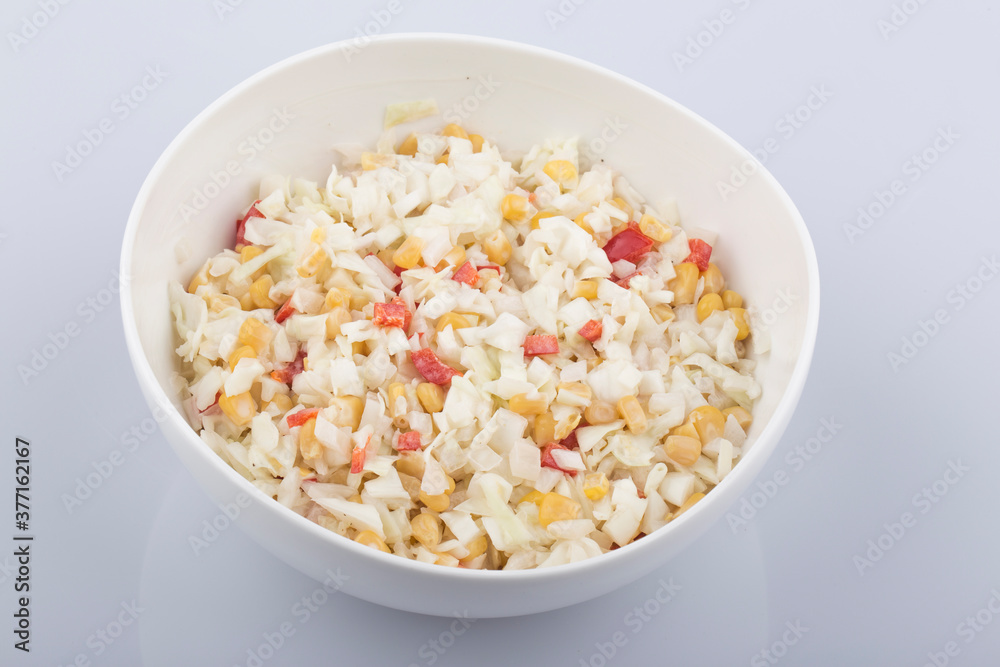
684,283
623,205
281,401
317,235
541,215
596,485
522,405
426,529
477,142
707,305
686,429
335,298
682,449
312,263
557,507
430,396
583,224
708,421
239,408
335,319
714,282
453,130
248,252
514,207
242,352
370,538
411,464
408,146
533,496
585,288
260,292
370,161
309,444
476,547
347,411
497,248
742,322
565,426
600,412
255,333
219,302
742,416
662,313
454,319
632,413
731,299
454,257
437,503
654,229
397,400
443,159
199,279
688,504
562,172
246,301
544,429
407,255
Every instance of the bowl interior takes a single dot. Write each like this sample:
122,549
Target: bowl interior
287,119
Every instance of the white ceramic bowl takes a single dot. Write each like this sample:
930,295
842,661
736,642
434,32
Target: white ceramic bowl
285,120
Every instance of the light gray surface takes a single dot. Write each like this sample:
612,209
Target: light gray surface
898,430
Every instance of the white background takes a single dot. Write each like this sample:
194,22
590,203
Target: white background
899,427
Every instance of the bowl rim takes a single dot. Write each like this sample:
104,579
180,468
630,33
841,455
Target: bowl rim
154,392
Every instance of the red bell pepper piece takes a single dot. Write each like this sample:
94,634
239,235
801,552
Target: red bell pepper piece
535,345
549,461
433,369
408,442
392,314
627,280
301,417
629,244
284,312
241,225
289,371
358,455
468,274
701,252
592,330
